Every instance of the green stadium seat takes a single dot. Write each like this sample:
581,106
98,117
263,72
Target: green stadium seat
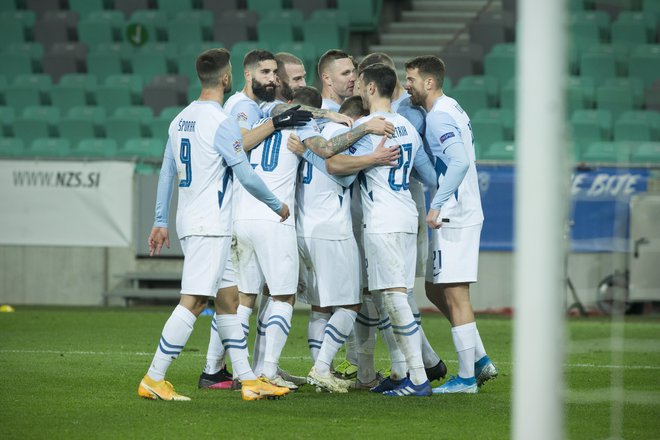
643,118
501,66
204,17
96,148
195,89
615,98
645,64
305,51
85,80
34,51
15,64
121,129
11,147
49,147
26,18
7,117
153,22
12,31
292,16
646,152
148,64
487,131
632,131
30,129
600,18
95,114
323,34
171,7
272,29
340,18
591,125
77,129
634,85
170,112
86,7
581,93
261,6
8,6
508,95
95,31
113,97
44,112
158,128
608,152
143,148
20,97
502,115
634,28
184,31
40,81
652,7
504,151
584,34
104,64
471,99
364,15
135,83
65,96
139,112
599,66
505,48
487,83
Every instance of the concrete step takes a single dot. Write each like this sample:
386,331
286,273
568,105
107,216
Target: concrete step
424,28
407,52
416,39
432,17
449,5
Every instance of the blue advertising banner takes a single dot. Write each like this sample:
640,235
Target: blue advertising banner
599,210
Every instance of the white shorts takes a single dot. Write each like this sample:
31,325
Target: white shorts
454,255
265,252
205,265
329,272
417,193
390,260
229,275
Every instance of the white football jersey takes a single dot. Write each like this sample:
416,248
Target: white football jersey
445,123
386,201
245,111
205,142
278,168
324,206
329,104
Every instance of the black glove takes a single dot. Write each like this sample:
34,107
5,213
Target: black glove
292,118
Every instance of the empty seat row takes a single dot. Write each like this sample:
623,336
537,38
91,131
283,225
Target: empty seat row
135,148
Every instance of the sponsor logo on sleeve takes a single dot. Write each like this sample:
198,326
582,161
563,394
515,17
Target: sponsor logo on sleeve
237,146
446,136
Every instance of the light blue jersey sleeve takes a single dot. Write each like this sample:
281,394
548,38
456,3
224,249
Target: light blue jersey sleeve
246,113
441,132
361,148
165,187
415,115
423,169
319,163
228,141
457,167
309,130
255,186
267,107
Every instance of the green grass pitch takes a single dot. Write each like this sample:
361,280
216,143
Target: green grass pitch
74,372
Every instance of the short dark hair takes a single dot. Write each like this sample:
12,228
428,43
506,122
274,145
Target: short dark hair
329,57
283,58
210,65
255,56
429,65
353,107
375,58
383,76
308,96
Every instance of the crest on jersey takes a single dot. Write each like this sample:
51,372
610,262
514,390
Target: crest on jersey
242,116
446,136
237,146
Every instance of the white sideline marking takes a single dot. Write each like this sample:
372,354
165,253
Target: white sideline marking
200,354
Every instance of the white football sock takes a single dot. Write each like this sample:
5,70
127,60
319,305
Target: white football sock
278,327
215,354
175,334
260,340
464,343
339,326
479,349
315,329
406,332
235,342
351,348
366,324
429,356
398,367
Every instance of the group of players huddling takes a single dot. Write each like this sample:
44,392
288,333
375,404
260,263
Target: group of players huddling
291,192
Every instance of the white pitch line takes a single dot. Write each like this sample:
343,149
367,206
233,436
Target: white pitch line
200,354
